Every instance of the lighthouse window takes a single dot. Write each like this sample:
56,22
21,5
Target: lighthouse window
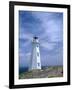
38,64
37,54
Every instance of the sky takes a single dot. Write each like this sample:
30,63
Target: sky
48,27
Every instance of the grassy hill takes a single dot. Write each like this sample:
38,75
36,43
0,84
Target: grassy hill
46,72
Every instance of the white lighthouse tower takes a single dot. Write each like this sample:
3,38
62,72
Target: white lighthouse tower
35,62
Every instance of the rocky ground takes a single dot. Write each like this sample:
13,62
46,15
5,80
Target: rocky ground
47,72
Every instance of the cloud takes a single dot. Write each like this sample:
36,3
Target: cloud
24,59
47,46
48,26
48,60
26,36
51,24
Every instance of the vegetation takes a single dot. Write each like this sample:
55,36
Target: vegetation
45,72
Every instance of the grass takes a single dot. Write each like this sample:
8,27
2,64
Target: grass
46,72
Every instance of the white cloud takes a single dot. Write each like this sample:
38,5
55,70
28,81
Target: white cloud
51,26
27,36
47,45
50,33
28,54
24,58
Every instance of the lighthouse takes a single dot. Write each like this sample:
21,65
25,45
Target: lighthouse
35,62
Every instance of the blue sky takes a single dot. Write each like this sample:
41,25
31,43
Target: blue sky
48,27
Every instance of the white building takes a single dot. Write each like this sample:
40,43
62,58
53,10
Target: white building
35,62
